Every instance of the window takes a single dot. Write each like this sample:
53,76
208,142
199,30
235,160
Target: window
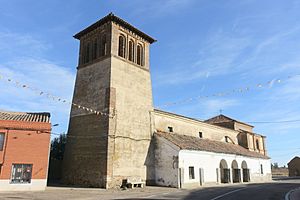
140,55
226,139
87,53
21,173
122,46
170,129
1,141
261,169
131,50
257,144
200,135
94,56
103,46
191,173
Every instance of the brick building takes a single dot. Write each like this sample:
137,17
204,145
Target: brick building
134,140
24,150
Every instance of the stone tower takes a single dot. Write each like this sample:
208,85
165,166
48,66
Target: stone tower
112,77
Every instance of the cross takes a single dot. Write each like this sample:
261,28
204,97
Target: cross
220,111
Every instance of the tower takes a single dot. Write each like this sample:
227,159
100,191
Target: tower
113,78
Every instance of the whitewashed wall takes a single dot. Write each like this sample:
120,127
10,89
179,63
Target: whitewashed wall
211,161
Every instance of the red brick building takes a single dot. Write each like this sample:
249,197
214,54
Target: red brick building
24,150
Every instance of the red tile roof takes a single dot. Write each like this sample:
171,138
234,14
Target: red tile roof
185,142
25,116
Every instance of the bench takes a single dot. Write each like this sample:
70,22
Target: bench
132,182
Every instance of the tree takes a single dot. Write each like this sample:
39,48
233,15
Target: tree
275,166
58,147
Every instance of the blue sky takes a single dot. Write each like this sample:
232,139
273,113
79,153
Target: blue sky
203,47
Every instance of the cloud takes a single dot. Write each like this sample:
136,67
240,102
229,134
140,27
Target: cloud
217,56
14,44
22,60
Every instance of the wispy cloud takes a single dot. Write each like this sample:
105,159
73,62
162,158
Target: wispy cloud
22,62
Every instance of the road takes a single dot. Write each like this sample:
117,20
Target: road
269,191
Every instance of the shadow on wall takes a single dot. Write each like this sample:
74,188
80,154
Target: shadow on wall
150,163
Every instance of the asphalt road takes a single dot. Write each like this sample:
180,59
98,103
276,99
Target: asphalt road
267,191
275,190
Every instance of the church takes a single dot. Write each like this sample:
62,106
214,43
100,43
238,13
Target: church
131,139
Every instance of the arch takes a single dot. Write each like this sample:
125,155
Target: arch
140,55
229,139
224,172
131,51
223,164
246,174
87,53
236,172
103,45
122,46
244,165
95,48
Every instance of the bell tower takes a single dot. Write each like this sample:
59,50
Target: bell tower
113,78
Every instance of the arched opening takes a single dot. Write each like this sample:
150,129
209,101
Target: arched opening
103,46
95,48
87,53
122,46
140,55
224,172
246,174
131,51
236,172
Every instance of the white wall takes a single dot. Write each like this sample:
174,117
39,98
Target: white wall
35,185
211,161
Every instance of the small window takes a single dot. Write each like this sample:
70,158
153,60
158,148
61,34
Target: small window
191,172
131,51
257,144
200,135
226,139
103,46
0,168
122,46
1,141
140,55
170,129
21,173
261,169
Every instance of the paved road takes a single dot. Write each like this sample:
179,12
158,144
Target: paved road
269,191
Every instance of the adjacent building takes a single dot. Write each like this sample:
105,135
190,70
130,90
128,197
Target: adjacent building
294,167
129,138
24,150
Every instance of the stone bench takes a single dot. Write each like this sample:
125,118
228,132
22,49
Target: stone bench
132,182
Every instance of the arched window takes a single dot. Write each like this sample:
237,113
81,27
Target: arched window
122,46
87,53
140,55
103,46
131,50
94,56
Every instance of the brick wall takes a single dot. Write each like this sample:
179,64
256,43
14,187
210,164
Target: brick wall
25,143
